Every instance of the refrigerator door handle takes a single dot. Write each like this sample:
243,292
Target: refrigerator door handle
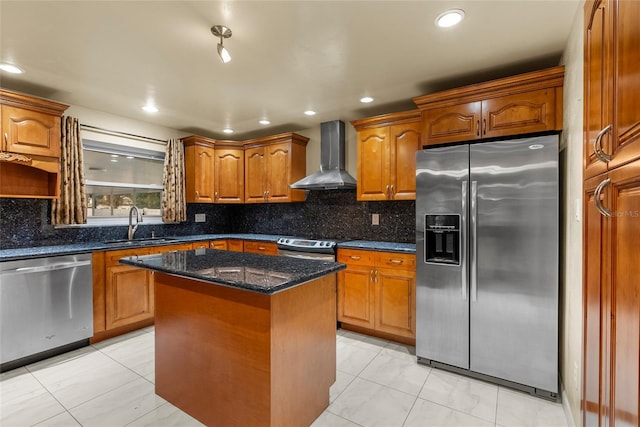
473,252
463,240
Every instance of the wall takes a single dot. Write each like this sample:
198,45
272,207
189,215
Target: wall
572,145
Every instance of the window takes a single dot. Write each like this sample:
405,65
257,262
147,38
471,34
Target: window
119,177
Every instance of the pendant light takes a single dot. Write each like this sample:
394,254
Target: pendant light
224,33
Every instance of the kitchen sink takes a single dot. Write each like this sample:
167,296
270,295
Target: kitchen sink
141,241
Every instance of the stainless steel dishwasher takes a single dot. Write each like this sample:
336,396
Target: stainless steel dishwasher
46,304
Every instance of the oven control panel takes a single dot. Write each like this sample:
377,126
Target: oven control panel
305,244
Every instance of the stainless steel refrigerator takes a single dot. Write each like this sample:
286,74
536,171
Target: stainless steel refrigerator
487,251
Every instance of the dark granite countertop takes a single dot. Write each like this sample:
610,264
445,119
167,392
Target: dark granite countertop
79,248
265,274
379,246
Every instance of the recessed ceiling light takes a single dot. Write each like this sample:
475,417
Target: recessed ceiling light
366,99
150,108
114,156
114,160
129,157
264,122
10,68
450,18
310,113
227,130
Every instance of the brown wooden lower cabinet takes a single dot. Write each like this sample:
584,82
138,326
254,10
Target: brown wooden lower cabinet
611,382
123,296
376,293
220,244
235,245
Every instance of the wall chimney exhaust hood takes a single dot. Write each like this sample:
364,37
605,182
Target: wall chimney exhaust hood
332,174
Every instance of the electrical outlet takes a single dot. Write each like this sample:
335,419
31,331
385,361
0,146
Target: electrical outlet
375,219
201,217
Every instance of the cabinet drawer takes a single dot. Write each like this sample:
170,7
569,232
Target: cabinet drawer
395,260
220,245
355,257
112,257
265,248
235,245
200,245
171,248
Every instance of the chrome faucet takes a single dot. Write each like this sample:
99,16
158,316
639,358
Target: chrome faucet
133,229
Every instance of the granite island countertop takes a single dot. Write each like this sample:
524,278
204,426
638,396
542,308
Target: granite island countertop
264,274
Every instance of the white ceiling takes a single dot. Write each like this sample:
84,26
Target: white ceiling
288,56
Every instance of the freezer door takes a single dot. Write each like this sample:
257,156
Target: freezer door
514,260
442,307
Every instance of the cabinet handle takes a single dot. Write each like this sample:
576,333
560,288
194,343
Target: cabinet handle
197,194
6,139
386,190
261,248
392,192
375,276
478,128
215,196
356,257
372,276
484,126
597,146
603,211
396,261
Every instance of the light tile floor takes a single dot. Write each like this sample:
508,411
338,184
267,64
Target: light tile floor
378,383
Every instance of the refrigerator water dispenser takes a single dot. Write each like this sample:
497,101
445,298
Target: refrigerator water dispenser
442,239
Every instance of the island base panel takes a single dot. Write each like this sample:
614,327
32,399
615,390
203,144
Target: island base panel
237,358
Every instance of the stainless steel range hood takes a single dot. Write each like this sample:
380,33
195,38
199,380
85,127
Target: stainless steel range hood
332,173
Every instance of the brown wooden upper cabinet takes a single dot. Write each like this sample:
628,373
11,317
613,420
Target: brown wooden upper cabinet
387,147
29,146
521,104
199,159
611,57
228,172
271,165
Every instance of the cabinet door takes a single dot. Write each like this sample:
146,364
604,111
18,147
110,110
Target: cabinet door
199,162
129,295
626,146
373,164
624,196
395,301
254,175
520,113
278,158
404,141
451,124
29,132
229,175
597,83
596,313
356,296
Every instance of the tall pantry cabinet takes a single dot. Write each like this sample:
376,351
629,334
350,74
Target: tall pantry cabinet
611,227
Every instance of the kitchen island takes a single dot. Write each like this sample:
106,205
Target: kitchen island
244,339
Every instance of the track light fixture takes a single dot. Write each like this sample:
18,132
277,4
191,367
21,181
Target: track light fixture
224,33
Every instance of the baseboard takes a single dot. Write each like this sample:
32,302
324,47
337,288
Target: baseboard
565,407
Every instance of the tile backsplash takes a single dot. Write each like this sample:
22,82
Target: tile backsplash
331,214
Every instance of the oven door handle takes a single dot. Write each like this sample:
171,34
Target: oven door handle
292,254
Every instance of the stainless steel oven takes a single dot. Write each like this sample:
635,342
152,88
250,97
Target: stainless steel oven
307,248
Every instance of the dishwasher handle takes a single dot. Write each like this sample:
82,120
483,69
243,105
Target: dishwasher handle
44,268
